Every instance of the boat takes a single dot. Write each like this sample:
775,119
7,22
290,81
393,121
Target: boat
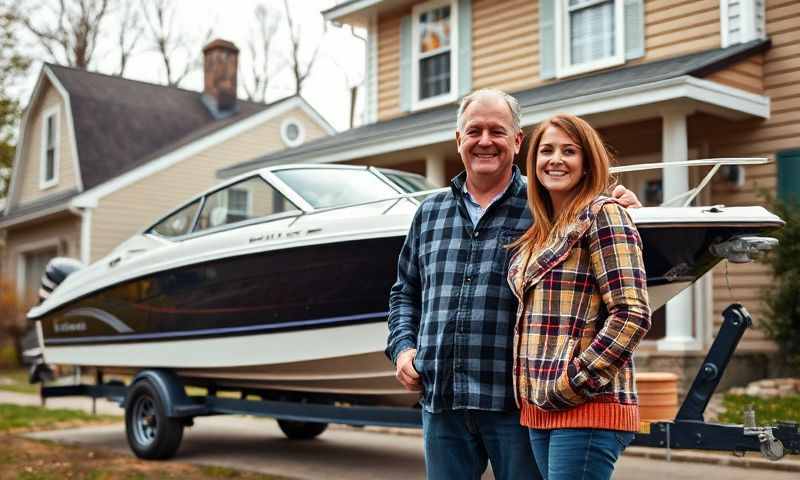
277,281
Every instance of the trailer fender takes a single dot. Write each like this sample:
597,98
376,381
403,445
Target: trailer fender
171,390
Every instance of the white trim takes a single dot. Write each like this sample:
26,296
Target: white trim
747,20
371,83
723,23
86,235
44,182
703,94
311,112
452,95
301,132
91,197
564,66
335,13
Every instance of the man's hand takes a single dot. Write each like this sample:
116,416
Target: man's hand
406,373
627,198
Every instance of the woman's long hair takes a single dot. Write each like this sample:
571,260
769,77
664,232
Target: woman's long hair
596,161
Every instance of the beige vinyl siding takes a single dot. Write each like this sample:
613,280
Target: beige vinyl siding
505,44
129,210
674,28
61,233
28,188
389,65
747,75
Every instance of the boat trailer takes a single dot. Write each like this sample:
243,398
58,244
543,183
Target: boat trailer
157,409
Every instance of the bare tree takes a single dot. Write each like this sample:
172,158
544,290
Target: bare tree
129,34
300,69
69,36
258,47
167,40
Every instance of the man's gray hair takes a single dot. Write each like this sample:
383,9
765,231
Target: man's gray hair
512,103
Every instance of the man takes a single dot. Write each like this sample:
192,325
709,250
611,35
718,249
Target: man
451,315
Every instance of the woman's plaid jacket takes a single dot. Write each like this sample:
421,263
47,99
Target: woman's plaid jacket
583,310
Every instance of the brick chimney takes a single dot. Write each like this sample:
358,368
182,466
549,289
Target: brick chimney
220,62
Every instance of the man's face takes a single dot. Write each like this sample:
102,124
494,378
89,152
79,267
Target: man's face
487,143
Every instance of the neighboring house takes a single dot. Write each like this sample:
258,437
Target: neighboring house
101,157
662,80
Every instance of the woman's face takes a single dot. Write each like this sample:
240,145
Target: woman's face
559,164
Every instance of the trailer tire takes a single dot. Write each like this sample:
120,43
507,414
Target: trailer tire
301,430
152,435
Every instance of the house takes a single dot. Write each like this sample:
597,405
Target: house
101,157
662,80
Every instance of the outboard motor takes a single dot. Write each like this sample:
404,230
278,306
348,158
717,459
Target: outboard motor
56,271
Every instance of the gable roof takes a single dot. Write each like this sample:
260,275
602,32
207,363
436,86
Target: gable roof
121,124
436,125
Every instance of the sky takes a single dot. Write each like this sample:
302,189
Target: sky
340,62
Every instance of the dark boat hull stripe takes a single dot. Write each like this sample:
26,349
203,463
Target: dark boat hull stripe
298,325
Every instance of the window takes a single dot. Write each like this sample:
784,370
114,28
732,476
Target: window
589,35
48,169
249,199
179,223
434,59
292,132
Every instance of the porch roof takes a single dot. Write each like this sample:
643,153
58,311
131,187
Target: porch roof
627,88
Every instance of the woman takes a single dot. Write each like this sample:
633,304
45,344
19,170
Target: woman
579,277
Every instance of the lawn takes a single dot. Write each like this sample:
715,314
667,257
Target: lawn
16,380
768,411
25,459
18,417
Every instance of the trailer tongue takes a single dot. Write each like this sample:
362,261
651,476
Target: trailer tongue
690,431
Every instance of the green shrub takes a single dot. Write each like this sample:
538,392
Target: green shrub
782,315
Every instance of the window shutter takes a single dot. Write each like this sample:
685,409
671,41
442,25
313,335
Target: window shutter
405,63
464,47
634,29
789,176
547,39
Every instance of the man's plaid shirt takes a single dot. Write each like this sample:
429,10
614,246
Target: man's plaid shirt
452,302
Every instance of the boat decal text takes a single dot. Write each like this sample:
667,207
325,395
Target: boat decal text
101,315
270,236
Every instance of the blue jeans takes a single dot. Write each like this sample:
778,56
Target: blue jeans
577,454
458,444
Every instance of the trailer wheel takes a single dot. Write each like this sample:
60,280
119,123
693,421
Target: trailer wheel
301,430
151,434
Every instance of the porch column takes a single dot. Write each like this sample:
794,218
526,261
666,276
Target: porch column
435,170
675,148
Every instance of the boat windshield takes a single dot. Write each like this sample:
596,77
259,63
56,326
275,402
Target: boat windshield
332,187
409,182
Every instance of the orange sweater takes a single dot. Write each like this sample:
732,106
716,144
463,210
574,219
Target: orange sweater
603,415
